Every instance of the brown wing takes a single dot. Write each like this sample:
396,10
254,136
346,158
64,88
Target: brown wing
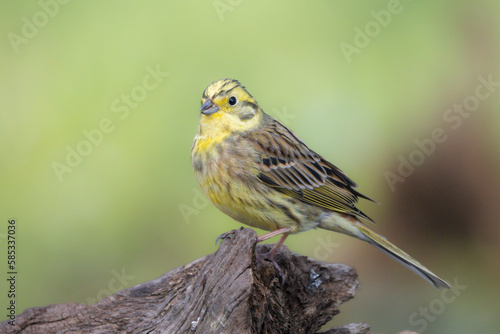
289,166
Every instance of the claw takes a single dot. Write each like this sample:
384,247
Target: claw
270,256
282,275
225,235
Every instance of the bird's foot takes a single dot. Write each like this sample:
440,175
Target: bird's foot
226,235
270,256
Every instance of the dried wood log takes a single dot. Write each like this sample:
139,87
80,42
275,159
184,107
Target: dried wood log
230,291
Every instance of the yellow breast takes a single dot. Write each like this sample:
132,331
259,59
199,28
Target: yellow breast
227,175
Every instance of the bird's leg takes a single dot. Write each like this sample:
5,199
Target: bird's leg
270,255
274,233
280,242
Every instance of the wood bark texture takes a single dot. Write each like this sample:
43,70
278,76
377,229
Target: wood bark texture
230,291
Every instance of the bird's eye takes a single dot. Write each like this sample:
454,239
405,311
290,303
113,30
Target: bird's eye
232,101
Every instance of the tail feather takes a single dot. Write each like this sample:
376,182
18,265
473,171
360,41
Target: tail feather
387,247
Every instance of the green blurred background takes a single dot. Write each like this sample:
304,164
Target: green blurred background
131,210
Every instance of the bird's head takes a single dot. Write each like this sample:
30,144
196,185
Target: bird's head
228,107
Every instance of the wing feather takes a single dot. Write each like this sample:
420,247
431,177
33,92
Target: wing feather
289,166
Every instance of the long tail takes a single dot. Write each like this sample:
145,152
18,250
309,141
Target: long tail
362,232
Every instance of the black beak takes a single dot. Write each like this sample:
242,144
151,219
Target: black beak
208,108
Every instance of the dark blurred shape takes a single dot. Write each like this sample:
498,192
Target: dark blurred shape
454,194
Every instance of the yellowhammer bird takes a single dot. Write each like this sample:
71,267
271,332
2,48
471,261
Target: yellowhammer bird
260,173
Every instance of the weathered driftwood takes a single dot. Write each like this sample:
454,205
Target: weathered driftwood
230,291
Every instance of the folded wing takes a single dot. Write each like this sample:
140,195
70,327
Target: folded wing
289,166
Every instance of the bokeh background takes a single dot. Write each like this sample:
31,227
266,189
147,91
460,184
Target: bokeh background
128,209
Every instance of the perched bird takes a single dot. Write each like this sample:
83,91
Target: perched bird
260,173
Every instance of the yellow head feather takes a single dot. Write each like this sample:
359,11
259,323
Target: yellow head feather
237,111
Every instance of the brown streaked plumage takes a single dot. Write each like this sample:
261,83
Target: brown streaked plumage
289,166
260,173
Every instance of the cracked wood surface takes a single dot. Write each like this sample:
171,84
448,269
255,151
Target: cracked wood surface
230,291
